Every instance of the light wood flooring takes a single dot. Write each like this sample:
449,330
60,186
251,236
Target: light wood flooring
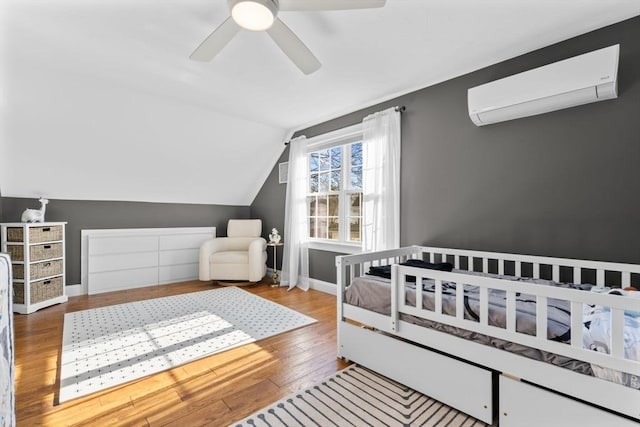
214,391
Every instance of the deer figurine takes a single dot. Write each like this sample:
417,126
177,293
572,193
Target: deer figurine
35,215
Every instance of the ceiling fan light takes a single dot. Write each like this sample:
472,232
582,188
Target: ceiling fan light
254,15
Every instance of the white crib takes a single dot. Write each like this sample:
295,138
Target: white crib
481,380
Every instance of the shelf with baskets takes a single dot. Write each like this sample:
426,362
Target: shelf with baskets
37,252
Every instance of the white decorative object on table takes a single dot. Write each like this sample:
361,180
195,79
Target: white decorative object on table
35,215
274,237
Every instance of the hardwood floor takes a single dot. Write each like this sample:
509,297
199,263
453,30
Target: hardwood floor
214,391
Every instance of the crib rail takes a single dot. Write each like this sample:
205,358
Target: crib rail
350,266
576,299
605,273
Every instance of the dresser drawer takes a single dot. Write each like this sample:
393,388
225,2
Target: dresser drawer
49,233
41,290
38,270
36,252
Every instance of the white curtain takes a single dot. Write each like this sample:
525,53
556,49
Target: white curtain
295,260
381,180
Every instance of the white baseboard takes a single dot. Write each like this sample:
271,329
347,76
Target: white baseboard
326,287
318,285
74,290
315,284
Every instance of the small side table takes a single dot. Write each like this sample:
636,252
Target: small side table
275,276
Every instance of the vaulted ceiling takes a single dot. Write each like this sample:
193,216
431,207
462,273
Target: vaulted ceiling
99,99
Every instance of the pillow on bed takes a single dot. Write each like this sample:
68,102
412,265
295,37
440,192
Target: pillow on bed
442,266
385,270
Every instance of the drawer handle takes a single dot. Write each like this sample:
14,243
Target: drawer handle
46,229
47,264
47,246
46,282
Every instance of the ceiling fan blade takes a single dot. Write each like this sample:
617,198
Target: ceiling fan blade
216,41
286,5
293,47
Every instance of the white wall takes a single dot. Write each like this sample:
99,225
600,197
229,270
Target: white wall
84,138
128,120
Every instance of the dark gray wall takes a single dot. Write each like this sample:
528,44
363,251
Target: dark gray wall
563,184
322,265
83,214
269,206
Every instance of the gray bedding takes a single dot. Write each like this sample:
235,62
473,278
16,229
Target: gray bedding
374,293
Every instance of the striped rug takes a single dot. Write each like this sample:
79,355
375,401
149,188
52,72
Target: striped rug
358,397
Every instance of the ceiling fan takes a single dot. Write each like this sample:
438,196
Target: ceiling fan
262,15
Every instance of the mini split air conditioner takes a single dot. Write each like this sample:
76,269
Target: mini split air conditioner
575,81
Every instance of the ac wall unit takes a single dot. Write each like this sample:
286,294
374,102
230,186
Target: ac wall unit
575,81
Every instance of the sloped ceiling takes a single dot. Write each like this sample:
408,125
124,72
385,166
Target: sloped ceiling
99,100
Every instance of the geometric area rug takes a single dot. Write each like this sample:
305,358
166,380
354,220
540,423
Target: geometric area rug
357,396
109,346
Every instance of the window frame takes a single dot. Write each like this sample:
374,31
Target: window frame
340,137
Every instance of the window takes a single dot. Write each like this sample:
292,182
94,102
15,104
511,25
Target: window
334,196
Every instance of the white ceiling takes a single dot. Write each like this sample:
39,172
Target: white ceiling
99,100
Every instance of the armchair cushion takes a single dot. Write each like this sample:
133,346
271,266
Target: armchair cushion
230,257
244,228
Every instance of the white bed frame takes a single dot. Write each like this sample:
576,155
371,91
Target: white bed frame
481,380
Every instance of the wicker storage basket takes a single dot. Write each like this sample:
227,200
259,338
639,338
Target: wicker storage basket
16,252
36,234
36,252
40,291
18,293
38,270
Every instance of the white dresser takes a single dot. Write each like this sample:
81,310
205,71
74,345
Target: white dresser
120,259
37,261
